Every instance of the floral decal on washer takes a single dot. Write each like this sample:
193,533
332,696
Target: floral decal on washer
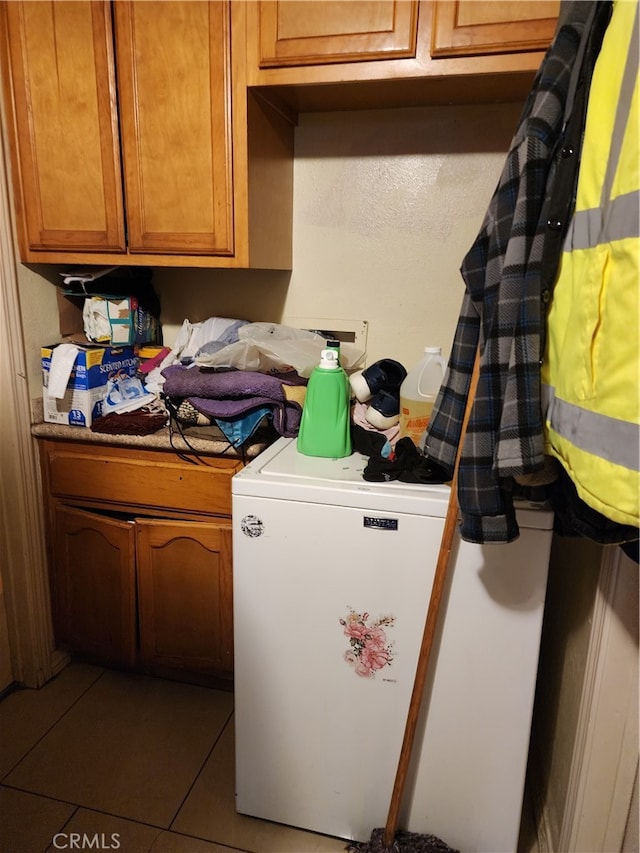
369,649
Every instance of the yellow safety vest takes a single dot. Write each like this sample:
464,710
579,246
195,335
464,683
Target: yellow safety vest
590,371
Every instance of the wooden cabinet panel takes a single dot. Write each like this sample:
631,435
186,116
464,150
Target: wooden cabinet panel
94,585
179,559
63,101
473,28
368,55
205,174
185,595
175,112
126,480
296,32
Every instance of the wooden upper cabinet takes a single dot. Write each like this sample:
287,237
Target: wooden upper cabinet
134,138
296,32
173,62
174,126
472,28
60,57
367,54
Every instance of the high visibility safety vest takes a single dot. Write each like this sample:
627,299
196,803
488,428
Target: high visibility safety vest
590,371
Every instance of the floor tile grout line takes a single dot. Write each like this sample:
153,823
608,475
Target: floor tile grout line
220,844
87,808
209,841
61,829
202,766
36,794
51,727
79,806
159,829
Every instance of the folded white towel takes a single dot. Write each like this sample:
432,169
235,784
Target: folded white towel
63,358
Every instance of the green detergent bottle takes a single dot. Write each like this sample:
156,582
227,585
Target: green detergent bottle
325,428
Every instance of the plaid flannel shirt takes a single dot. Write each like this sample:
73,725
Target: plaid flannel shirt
502,306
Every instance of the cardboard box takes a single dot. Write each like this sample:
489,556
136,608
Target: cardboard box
87,385
70,316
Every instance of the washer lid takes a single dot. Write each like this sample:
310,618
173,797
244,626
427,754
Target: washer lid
282,472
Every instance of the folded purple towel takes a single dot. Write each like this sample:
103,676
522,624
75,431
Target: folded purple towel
181,381
231,393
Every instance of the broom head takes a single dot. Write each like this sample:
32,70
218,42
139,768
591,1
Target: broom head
403,842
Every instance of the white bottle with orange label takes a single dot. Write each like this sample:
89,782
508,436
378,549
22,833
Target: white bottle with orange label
418,393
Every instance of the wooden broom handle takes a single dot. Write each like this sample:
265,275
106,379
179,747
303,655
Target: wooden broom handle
431,623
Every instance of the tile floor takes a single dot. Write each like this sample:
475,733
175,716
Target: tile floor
131,763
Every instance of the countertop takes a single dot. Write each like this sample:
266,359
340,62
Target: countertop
214,444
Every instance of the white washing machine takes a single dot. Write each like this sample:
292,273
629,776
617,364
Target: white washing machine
332,578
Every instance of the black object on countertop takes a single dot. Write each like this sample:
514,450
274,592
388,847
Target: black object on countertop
407,465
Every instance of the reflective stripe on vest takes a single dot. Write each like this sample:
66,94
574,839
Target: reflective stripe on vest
589,230
612,439
617,218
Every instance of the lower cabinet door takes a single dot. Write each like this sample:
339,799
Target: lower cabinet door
185,596
94,585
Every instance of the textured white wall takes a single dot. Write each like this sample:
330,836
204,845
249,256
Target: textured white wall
386,204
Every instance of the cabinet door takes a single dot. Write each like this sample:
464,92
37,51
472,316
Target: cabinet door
60,91
175,112
94,585
185,595
473,28
296,32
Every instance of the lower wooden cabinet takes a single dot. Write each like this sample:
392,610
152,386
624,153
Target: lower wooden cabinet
185,591
94,585
141,577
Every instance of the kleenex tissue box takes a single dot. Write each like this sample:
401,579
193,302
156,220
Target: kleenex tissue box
82,377
118,321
